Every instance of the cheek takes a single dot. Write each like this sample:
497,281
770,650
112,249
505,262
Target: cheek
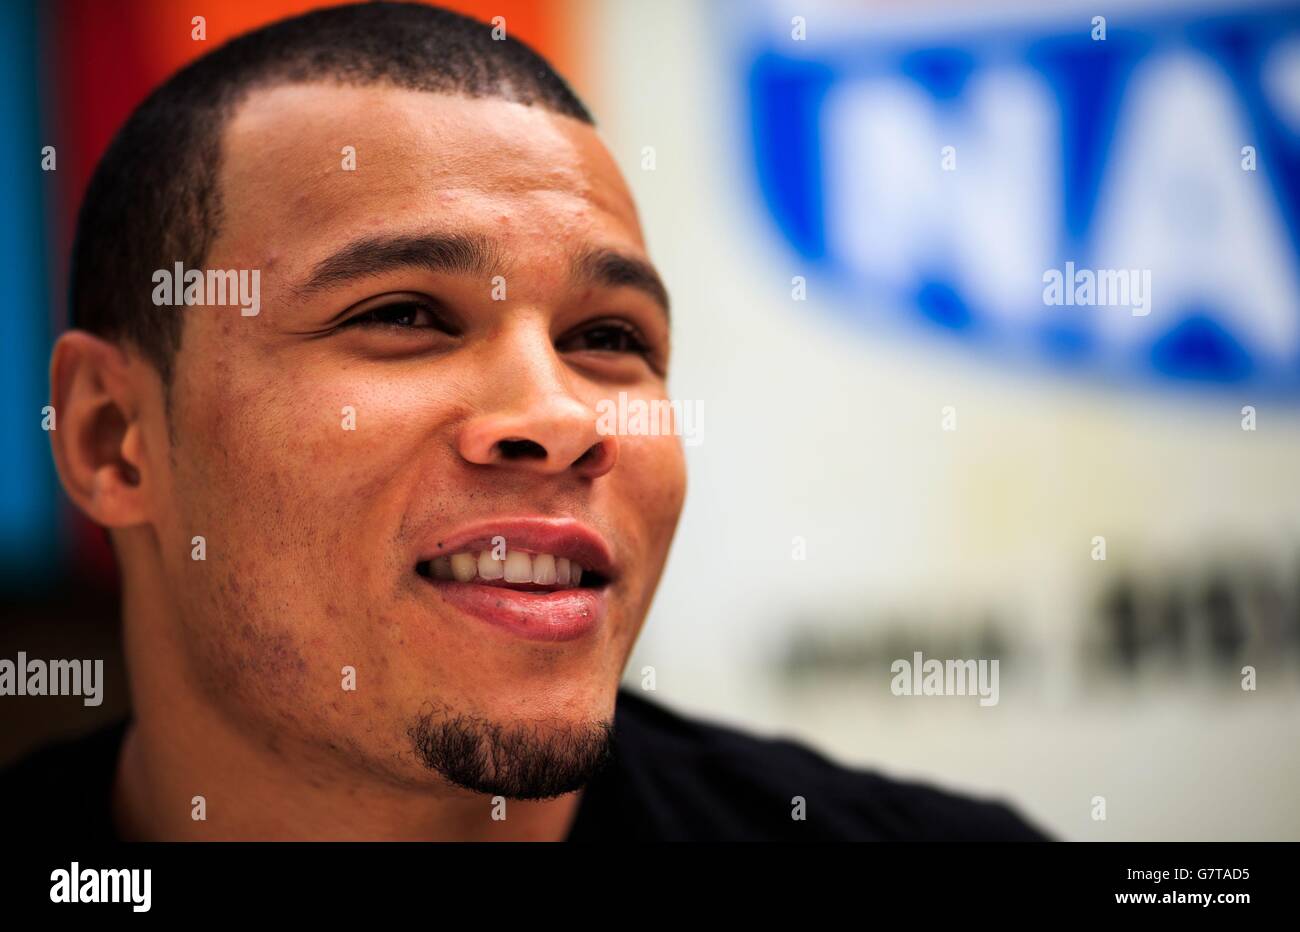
293,511
289,460
287,498
654,487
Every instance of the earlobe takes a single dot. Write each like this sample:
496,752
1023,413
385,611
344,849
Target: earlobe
97,446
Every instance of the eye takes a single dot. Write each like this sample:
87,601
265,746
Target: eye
606,336
407,314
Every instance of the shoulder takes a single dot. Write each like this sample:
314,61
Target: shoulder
64,788
702,779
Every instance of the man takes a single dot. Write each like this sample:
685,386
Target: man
381,571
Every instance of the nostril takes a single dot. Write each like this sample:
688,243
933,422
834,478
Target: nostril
598,459
594,452
521,449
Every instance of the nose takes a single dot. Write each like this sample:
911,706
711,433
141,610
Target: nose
534,422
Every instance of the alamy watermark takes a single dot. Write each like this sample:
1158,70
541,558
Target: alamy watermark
921,677
179,286
1072,287
79,884
53,678
658,417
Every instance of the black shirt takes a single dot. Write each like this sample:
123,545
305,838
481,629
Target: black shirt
671,778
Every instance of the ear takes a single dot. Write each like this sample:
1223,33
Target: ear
97,389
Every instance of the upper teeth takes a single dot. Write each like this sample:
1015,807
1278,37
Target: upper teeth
543,569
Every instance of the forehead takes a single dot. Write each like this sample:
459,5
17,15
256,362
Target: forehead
422,160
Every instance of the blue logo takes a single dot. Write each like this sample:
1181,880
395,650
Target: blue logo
997,183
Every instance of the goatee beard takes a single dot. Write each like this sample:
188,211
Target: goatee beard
518,761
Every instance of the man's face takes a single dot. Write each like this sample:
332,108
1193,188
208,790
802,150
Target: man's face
473,399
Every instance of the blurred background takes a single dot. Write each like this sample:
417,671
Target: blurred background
854,205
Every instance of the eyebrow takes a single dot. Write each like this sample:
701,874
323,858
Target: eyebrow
454,253
470,254
610,268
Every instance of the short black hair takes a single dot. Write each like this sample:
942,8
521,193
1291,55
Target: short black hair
153,199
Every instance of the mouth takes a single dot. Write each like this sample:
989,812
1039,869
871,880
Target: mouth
519,571
542,579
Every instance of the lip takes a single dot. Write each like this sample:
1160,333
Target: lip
561,615
565,615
